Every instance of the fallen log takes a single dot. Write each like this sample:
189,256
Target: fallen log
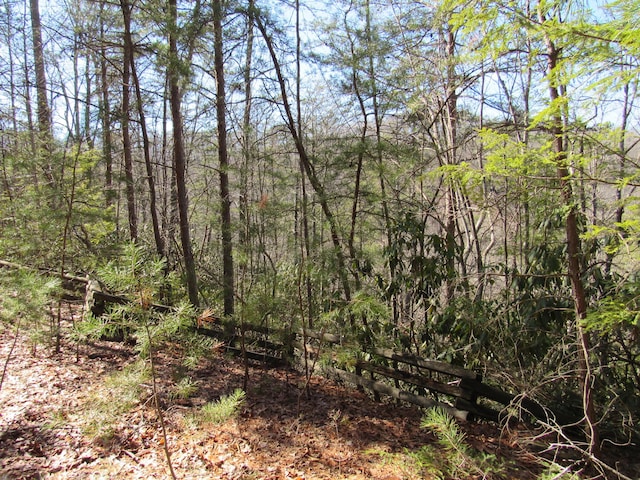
433,365
417,380
396,393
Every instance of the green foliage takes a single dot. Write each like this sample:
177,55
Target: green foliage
140,277
613,314
615,321
24,298
34,213
220,411
119,393
185,388
402,465
342,357
136,273
196,347
418,259
557,472
508,157
454,459
463,332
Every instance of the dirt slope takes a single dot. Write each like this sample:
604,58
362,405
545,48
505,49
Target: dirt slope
50,406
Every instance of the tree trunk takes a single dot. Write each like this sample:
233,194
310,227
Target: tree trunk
44,114
574,252
308,166
450,124
12,80
126,138
105,118
45,140
153,208
306,241
246,139
227,243
179,157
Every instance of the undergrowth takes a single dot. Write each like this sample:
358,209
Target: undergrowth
120,393
452,457
220,411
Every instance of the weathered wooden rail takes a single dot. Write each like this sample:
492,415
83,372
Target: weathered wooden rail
400,375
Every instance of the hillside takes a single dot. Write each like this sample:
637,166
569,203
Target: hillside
71,416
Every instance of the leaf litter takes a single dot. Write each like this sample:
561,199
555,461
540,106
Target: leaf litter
47,402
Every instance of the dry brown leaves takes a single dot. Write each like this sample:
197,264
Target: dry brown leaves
336,433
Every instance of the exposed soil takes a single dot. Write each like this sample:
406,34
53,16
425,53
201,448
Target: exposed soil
336,433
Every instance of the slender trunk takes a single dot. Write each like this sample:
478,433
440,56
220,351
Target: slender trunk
87,104
65,240
76,87
305,198
247,138
308,166
574,252
126,138
227,243
355,83
169,219
153,208
12,83
27,99
451,126
105,117
179,159
44,114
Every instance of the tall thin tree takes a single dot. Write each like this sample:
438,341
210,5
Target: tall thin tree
179,155
43,110
223,158
126,105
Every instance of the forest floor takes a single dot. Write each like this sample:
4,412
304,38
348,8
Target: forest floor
62,417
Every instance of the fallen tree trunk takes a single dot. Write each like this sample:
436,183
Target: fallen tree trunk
396,393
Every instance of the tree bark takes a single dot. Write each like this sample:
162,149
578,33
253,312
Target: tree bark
153,208
574,252
105,117
44,114
45,138
179,157
304,203
225,212
126,138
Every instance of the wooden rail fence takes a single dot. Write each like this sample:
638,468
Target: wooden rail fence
383,371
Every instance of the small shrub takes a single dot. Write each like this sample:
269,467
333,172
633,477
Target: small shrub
401,465
185,388
221,410
120,393
556,472
455,459
25,297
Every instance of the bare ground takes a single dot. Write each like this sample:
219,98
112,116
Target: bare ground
336,433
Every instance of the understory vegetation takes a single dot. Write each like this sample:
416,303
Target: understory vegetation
455,181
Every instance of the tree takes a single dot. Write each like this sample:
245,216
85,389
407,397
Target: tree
223,158
126,107
306,161
146,145
44,113
179,157
574,248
